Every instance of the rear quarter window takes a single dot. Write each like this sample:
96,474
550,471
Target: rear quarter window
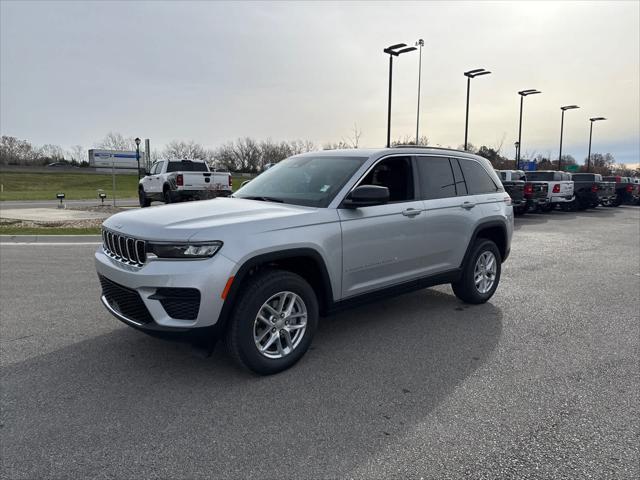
476,177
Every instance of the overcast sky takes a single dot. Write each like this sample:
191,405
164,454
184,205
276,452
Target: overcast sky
214,71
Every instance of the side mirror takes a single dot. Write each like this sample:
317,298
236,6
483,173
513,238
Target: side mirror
366,196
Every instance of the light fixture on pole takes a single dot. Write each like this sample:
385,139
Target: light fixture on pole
420,44
137,140
393,52
566,107
522,93
471,74
594,119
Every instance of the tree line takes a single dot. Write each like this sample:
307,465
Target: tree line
249,155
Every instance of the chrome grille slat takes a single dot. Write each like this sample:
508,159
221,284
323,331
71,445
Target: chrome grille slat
128,250
121,246
130,243
116,246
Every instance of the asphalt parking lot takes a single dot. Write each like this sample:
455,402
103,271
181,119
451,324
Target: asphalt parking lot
541,382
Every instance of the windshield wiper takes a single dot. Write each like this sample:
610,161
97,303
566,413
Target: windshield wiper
264,199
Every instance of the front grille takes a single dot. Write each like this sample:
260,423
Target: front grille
179,303
125,301
124,249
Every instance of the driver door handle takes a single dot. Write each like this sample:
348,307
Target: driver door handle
468,205
411,212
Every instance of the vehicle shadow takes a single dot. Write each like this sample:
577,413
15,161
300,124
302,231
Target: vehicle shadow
125,402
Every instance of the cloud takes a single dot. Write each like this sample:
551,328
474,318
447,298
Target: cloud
214,71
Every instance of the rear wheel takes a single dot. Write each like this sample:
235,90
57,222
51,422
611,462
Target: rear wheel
547,208
273,322
480,274
166,195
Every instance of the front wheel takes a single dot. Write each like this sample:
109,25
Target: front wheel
142,198
273,322
480,274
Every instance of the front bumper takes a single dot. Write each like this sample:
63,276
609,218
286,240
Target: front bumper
208,276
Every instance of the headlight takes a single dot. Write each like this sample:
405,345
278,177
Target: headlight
184,250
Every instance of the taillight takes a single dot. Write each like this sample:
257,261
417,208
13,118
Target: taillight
618,179
594,188
629,188
179,180
507,200
229,180
556,188
528,188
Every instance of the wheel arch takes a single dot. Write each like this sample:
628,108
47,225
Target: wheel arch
493,230
306,262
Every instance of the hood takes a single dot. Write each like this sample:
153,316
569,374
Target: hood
181,221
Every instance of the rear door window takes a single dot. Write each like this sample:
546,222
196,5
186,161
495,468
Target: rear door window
436,177
476,178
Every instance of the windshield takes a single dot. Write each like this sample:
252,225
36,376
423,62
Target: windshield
310,181
186,166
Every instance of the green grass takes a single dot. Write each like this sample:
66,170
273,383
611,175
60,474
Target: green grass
75,186
9,230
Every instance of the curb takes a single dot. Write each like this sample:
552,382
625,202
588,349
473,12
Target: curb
50,239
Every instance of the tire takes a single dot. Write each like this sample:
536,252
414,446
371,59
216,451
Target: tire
142,198
166,196
266,288
547,208
465,288
519,210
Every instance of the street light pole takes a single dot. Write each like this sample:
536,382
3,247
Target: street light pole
594,119
393,52
471,74
522,93
389,104
137,140
566,107
420,43
517,145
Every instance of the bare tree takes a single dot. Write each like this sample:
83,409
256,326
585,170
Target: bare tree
411,140
116,141
354,139
184,150
78,154
500,143
14,151
51,152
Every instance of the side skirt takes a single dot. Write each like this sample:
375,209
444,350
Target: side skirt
395,290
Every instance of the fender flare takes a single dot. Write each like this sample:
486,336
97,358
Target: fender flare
325,301
482,226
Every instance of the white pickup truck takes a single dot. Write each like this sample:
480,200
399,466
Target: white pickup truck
171,181
560,191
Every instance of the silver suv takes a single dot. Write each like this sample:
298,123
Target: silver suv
314,233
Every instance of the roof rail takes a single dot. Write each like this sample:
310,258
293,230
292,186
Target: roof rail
430,147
